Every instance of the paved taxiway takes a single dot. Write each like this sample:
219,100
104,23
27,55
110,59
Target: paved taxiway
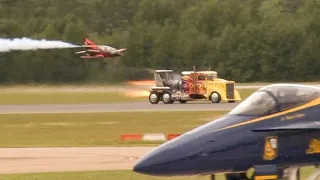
24,160
28,160
114,107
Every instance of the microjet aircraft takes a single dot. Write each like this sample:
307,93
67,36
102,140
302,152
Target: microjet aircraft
274,132
99,51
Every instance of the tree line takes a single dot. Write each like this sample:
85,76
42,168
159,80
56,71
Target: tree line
243,40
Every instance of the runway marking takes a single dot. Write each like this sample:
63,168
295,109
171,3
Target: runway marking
114,107
76,112
28,160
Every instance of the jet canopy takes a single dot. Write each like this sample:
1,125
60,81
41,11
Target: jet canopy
276,98
109,49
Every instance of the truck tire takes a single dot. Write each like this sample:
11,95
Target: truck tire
215,97
154,98
166,98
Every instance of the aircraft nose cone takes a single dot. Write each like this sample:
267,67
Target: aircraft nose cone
170,158
141,167
150,164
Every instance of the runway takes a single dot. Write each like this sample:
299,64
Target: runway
114,107
31,160
28,160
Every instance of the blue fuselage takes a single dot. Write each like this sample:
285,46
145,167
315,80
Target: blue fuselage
231,144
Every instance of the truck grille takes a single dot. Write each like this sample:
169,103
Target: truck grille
230,90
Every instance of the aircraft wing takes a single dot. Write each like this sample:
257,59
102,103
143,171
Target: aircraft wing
92,57
81,52
93,50
295,126
88,50
91,46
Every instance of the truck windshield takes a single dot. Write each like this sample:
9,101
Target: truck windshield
210,77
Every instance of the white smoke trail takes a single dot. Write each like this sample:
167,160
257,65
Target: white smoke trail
24,43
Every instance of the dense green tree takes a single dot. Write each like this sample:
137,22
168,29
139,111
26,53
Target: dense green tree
247,40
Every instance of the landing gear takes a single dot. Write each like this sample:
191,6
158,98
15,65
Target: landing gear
266,172
291,174
315,175
213,177
237,176
240,176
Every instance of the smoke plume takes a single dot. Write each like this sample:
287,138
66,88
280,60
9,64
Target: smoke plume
176,76
24,43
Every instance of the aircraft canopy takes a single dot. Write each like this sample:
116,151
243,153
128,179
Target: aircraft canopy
276,98
109,49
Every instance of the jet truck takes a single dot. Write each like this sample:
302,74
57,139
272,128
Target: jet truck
191,85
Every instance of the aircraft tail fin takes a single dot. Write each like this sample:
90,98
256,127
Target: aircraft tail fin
88,42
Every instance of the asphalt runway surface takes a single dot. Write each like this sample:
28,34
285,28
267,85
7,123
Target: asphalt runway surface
114,107
29,160
32,160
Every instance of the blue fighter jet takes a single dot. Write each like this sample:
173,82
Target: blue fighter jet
275,132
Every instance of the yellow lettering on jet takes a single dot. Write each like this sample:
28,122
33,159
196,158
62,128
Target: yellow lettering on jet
270,148
314,147
293,116
266,177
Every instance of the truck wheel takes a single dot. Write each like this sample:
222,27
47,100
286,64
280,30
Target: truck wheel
182,101
166,98
215,97
154,98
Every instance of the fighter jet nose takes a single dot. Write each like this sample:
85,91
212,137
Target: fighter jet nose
170,158
141,168
146,165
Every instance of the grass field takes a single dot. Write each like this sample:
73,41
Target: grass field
112,175
267,83
85,94
74,96
95,175
65,98
93,129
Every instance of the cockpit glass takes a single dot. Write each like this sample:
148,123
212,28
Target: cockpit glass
259,103
293,96
276,98
110,49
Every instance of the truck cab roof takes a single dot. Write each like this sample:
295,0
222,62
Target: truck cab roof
207,72
199,72
186,72
164,70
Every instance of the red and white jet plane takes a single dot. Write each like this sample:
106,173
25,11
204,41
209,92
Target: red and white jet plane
99,51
